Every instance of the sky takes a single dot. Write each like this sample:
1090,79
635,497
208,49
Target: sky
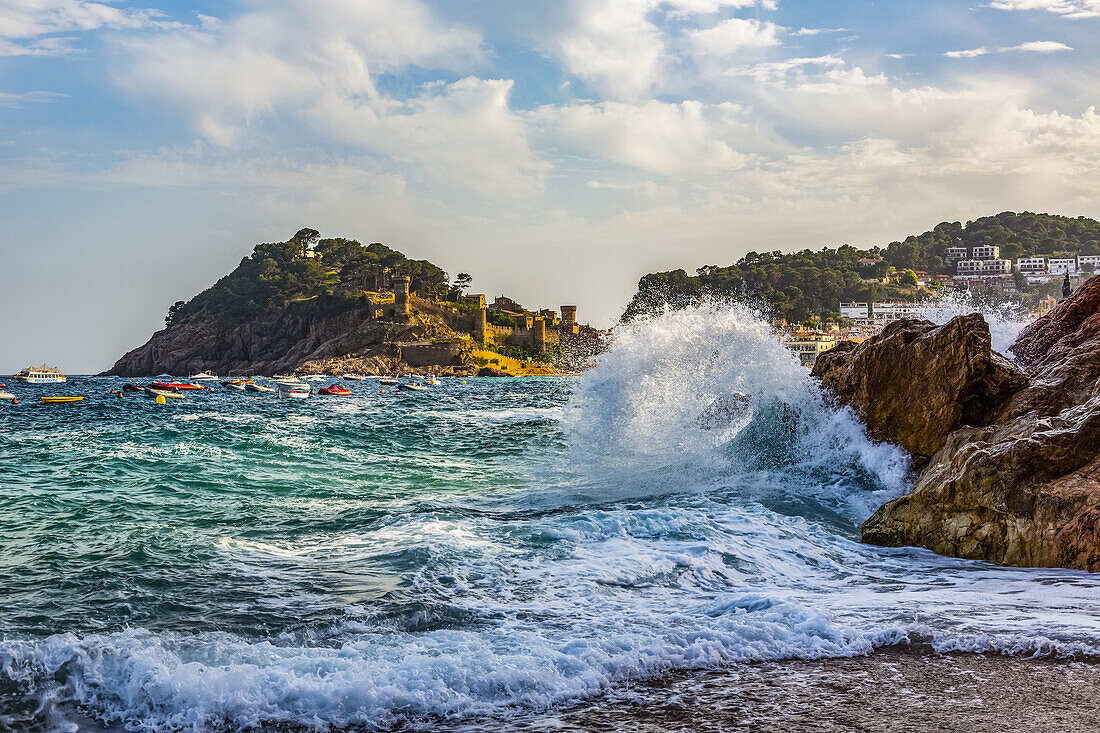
555,150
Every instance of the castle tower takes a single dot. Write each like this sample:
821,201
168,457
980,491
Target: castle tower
481,325
538,334
401,296
569,319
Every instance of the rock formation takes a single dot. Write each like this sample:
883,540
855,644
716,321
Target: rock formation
916,382
1021,485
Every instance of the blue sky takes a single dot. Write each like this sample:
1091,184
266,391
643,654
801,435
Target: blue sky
557,151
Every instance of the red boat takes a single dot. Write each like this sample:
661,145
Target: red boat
335,389
175,386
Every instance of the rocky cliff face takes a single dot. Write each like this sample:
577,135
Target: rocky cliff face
915,382
1021,485
278,343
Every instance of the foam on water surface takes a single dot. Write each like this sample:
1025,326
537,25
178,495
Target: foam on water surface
513,546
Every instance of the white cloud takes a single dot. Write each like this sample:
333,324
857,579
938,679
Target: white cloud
23,23
733,36
616,46
462,133
818,31
1030,46
1065,8
9,99
287,54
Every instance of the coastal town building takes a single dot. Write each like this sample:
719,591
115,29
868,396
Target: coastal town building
807,345
1088,262
855,311
954,254
1062,266
1031,264
986,252
888,312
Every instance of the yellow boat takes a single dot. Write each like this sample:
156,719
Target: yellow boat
60,400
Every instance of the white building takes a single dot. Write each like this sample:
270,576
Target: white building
1088,262
996,267
1062,266
956,253
1031,264
968,267
986,252
894,311
854,310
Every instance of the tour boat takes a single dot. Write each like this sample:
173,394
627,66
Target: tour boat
203,377
335,389
175,386
40,375
166,393
60,400
253,387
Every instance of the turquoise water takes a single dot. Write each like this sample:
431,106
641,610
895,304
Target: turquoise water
489,548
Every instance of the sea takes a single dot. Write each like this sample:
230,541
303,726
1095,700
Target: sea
527,554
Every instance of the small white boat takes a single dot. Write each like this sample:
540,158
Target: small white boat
165,393
387,380
413,386
203,377
253,387
6,395
352,377
296,393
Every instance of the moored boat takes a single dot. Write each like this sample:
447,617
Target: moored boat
353,377
60,399
413,387
131,387
203,377
6,395
387,380
237,384
40,375
167,393
175,386
298,393
335,390
253,387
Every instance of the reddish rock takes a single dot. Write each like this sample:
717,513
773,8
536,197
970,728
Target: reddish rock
915,382
1024,489
1070,324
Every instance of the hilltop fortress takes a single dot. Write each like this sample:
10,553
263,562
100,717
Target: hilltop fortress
335,306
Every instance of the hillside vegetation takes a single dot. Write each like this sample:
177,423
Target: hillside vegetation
808,285
278,275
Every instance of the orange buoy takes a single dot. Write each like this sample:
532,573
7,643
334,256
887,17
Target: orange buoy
14,401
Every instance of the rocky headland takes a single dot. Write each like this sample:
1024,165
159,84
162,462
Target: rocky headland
1008,453
331,306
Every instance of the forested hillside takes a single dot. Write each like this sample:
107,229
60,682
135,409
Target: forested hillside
278,274
806,285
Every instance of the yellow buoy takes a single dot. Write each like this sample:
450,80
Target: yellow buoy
161,400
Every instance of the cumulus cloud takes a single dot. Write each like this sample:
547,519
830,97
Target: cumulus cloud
1030,46
617,46
1065,8
28,27
733,36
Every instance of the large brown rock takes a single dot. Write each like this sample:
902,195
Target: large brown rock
915,383
1023,489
